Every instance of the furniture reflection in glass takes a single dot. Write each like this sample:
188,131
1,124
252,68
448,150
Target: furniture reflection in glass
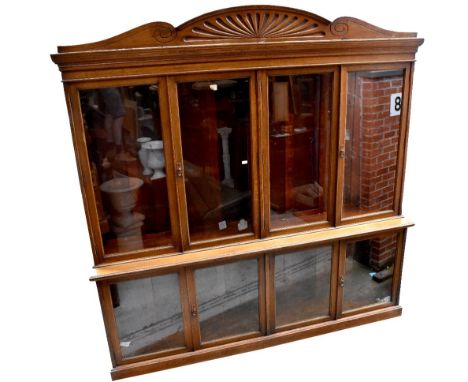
300,110
215,130
126,157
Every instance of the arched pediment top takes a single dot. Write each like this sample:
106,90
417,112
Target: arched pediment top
254,23
247,24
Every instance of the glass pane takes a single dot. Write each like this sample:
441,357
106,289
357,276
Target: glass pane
302,285
215,128
148,314
227,297
126,155
299,119
369,271
372,135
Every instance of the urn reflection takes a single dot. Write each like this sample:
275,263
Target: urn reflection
122,194
143,155
155,158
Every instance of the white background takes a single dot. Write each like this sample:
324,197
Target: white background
51,327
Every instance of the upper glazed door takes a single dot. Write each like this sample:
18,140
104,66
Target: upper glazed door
299,131
217,162
128,146
373,131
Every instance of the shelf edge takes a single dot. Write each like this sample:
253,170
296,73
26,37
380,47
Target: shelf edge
233,251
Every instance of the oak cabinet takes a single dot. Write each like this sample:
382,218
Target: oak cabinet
242,177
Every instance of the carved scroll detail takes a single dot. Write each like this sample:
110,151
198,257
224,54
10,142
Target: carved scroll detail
339,28
255,25
164,32
252,24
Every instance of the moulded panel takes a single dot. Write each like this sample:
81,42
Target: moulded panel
126,156
302,284
227,298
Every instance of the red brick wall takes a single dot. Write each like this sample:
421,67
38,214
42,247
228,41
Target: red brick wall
379,142
383,251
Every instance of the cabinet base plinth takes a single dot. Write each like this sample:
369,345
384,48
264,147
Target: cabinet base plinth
224,350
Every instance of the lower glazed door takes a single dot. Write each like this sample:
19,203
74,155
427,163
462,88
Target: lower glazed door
369,272
227,302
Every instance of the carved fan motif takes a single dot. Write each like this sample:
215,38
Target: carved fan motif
251,24
255,25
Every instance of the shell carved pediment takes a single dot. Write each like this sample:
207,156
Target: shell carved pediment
256,25
235,25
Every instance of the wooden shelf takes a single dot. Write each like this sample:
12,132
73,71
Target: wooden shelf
115,270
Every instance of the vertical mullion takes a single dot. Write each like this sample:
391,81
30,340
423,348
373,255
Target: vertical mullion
186,314
341,276
254,167
354,117
262,294
178,166
403,141
270,293
263,152
398,267
341,144
333,148
84,171
168,139
334,279
193,308
109,322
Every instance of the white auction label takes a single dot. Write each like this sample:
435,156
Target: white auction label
242,225
395,104
222,225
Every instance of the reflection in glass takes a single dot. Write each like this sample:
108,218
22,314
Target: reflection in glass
302,285
227,297
215,128
372,136
369,271
126,155
148,315
299,119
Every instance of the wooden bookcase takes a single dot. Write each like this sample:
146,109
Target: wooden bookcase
242,177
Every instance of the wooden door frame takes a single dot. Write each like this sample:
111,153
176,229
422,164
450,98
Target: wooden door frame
407,68
178,154
72,93
271,287
111,323
264,152
193,301
396,278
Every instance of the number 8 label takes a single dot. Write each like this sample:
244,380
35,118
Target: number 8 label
395,104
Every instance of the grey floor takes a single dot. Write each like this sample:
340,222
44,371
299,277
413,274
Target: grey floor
295,303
